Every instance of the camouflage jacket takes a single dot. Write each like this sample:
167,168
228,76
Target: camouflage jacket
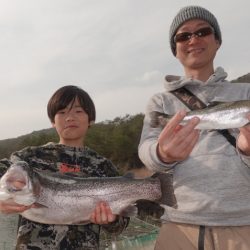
82,162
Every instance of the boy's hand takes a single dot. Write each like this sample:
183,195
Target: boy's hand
10,207
102,214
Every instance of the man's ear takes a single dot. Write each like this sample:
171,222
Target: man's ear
53,125
218,44
176,56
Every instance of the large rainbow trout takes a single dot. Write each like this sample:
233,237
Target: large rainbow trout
62,199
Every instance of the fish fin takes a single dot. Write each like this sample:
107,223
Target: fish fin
39,205
155,117
129,211
149,208
26,200
129,175
4,195
167,189
83,222
213,104
248,123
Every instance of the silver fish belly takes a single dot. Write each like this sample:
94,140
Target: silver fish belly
61,199
221,116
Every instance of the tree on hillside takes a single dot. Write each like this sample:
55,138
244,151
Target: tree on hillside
117,140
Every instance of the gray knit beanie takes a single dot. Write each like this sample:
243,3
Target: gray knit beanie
188,13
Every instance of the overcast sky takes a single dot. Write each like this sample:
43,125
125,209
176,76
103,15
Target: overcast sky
116,50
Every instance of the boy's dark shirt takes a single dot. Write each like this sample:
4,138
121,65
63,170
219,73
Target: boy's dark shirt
81,162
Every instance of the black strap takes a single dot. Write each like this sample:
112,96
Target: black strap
201,238
189,99
228,136
194,103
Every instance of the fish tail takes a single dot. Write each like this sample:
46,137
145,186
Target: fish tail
149,208
167,189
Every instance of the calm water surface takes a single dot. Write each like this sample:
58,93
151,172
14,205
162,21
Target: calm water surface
8,231
139,235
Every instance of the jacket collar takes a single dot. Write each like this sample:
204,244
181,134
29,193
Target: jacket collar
175,82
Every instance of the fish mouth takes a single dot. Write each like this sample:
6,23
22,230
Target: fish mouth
15,185
15,181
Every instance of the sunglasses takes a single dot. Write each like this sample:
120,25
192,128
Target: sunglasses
186,36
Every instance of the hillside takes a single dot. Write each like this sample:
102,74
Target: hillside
117,140
35,138
244,78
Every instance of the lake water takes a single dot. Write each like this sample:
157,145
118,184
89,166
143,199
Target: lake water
139,235
8,231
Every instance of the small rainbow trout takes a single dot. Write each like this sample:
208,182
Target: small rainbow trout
224,115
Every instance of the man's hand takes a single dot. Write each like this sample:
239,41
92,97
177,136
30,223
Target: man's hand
176,142
243,142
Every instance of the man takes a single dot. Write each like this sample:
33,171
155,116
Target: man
211,177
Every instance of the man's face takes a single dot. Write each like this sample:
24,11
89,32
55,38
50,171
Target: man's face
196,52
72,124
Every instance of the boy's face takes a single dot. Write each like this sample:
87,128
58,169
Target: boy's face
71,124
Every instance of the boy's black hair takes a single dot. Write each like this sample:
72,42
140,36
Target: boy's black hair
64,96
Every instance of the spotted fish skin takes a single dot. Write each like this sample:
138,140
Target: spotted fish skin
62,199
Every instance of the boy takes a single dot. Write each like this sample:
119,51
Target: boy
71,112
